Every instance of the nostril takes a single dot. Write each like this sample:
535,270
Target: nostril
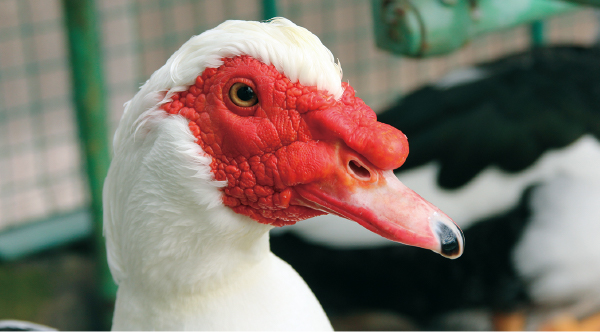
359,170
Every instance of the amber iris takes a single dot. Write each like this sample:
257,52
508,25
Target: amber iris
242,95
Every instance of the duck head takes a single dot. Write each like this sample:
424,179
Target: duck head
252,120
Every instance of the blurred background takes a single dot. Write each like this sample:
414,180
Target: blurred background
58,112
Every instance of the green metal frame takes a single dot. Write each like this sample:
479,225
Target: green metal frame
20,242
269,8
537,33
89,98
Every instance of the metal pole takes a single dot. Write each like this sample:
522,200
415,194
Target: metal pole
89,98
537,33
597,42
269,9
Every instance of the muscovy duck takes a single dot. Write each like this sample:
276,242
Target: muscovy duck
245,128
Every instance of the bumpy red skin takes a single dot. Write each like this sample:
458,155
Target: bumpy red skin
287,138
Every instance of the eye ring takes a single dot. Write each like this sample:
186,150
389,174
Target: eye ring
242,95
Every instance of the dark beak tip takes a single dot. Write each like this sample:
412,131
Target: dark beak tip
451,245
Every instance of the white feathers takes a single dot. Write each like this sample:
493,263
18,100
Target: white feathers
460,77
559,254
293,50
155,186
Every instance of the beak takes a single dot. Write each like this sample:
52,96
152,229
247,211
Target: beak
376,199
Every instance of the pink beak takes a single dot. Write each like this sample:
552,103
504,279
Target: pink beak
357,190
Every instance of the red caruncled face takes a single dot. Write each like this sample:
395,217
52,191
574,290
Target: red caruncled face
291,135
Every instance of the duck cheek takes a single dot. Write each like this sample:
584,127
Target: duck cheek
306,162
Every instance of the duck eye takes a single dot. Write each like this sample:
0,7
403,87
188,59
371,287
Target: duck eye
242,95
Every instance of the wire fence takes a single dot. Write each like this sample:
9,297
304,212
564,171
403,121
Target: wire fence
40,164
39,161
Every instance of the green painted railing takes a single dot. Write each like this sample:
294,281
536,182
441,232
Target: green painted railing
420,28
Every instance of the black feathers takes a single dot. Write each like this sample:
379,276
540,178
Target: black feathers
529,103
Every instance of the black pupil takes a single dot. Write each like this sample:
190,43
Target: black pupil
245,93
